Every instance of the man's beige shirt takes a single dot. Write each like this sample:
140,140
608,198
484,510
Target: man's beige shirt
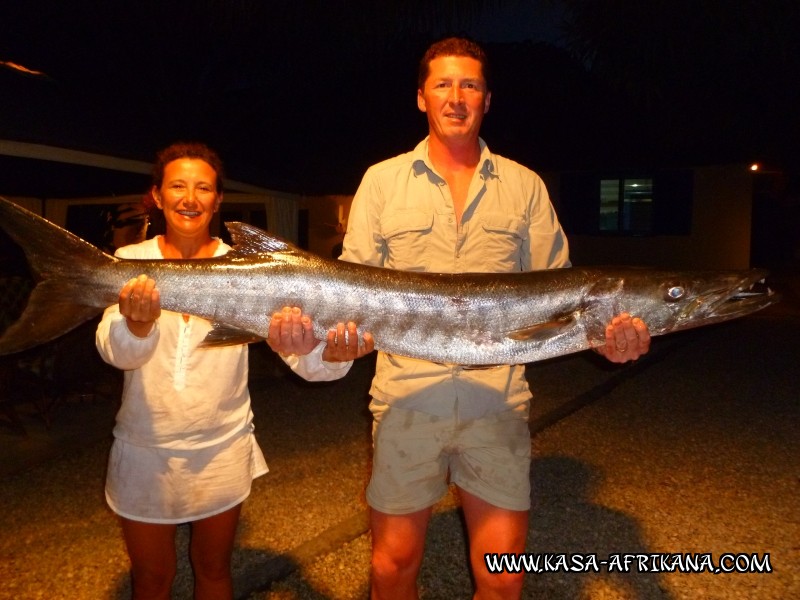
402,217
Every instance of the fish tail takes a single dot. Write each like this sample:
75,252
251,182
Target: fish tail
63,266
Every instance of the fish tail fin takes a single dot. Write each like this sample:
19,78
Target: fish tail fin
63,265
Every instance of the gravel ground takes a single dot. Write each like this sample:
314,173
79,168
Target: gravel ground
694,449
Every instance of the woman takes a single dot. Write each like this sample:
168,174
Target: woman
184,449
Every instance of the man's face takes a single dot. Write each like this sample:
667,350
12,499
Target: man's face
454,98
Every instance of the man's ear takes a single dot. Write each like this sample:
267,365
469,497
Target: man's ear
421,101
487,102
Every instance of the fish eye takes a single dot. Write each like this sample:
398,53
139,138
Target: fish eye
674,293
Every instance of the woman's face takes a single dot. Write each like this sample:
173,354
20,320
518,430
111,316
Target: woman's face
188,196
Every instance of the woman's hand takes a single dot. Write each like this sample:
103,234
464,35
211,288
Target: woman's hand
140,304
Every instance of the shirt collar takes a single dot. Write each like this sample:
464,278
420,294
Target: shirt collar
422,164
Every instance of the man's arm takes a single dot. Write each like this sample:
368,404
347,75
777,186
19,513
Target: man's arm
546,246
627,338
363,242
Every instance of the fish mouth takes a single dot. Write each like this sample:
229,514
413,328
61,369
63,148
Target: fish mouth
727,299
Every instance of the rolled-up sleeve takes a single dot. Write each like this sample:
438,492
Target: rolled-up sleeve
115,342
364,242
312,367
548,246
118,346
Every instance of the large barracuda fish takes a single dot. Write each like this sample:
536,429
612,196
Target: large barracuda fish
468,319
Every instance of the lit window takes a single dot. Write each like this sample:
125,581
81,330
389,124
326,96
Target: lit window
626,205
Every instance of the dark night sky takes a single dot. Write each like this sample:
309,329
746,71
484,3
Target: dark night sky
304,96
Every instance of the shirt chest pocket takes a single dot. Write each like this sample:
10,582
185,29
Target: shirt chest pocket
406,236
501,241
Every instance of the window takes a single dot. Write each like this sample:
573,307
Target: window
626,205
656,203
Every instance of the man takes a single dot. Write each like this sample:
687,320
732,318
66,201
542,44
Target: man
449,206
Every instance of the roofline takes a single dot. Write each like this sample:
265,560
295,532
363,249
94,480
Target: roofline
101,161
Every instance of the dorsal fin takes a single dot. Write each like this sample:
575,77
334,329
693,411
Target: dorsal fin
248,239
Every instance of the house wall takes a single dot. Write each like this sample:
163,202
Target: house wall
719,238
720,233
327,222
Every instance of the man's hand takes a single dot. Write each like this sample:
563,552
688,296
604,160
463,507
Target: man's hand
140,304
626,339
343,344
290,332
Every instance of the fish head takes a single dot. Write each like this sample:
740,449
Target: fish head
674,301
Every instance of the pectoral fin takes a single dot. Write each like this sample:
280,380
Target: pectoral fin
543,331
222,335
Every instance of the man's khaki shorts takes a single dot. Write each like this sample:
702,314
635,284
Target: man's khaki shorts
413,452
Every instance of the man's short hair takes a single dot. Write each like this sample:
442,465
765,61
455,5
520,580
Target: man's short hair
453,46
